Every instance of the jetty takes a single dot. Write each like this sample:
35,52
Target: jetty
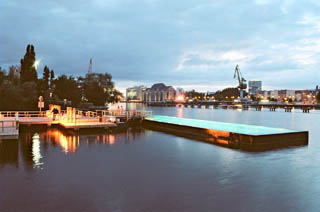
71,119
239,136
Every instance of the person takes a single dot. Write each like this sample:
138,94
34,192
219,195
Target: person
55,111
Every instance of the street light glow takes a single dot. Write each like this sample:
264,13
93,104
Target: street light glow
36,63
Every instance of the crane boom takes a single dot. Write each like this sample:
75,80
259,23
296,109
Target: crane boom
241,80
237,73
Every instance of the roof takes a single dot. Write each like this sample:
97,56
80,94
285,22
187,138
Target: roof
160,87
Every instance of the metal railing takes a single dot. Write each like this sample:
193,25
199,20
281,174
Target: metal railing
23,113
98,114
128,114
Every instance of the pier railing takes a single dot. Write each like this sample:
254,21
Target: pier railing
78,115
129,114
23,114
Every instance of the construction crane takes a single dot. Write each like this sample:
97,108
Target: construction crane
242,82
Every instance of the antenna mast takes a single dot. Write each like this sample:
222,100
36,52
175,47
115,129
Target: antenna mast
90,66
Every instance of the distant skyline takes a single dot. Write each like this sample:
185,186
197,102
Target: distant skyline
189,44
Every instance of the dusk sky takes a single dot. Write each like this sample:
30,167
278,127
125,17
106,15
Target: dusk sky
189,44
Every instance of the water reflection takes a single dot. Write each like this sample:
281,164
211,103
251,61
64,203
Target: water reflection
31,149
180,112
36,153
68,143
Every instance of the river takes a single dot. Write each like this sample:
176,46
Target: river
143,170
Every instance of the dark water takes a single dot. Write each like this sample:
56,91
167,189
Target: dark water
143,170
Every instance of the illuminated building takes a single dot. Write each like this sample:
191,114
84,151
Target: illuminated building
159,93
180,97
135,93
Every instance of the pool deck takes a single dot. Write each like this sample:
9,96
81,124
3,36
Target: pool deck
242,136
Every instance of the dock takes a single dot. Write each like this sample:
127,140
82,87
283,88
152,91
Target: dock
239,136
11,121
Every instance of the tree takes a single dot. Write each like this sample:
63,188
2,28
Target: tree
2,75
51,76
46,73
29,96
194,95
28,66
227,93
67,88
10,96
115,96
99,88
18,97
44,82
21,93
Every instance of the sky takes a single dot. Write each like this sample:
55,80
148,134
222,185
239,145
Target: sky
184,43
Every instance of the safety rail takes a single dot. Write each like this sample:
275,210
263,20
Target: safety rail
77,115
23,113
129,114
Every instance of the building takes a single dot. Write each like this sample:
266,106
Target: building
306,96
159,93
135,93
15,71
285,95
274,95
254,87
180,97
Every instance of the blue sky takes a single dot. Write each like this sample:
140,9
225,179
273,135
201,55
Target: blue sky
189,44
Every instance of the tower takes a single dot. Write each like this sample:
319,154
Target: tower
90,66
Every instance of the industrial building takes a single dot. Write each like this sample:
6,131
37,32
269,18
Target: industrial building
254,87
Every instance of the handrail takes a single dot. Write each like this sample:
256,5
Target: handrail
128,114
23,113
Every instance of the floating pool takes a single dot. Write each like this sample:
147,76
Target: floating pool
249,137
221,126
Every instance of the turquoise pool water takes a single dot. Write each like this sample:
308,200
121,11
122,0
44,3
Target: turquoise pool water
221,126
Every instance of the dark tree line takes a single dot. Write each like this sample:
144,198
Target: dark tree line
194,95
228,94
225,94
20,90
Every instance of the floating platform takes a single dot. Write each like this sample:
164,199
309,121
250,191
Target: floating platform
87,125
240,136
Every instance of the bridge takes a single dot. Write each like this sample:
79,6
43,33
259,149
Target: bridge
237,105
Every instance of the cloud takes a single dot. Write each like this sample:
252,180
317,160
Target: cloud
183,42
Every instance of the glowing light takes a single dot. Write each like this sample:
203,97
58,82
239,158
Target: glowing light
36,154
180,98
36,63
